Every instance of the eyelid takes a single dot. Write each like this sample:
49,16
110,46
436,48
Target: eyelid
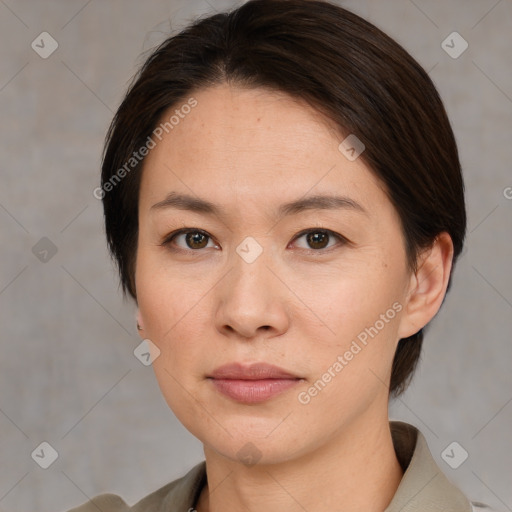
171,236
341,239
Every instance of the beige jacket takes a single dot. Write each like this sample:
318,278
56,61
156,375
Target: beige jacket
424,487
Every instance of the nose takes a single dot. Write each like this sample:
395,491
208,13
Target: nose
252,301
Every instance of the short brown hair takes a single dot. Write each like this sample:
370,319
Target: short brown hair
344,67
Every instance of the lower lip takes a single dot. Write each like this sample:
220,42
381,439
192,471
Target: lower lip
253,391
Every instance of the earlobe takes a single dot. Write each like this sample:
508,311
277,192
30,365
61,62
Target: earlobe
140,325
427,286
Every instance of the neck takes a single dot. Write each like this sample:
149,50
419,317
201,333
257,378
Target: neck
355,471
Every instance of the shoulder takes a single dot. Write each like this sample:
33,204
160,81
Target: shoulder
104,502
180,494
114,503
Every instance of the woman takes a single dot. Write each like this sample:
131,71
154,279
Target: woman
284,200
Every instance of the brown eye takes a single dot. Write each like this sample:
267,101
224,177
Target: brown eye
196,240
317,239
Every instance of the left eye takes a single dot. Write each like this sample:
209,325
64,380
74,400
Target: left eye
318,239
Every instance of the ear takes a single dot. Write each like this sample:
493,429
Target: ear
140,324
427,286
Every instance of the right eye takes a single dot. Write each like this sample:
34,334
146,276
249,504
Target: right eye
194,239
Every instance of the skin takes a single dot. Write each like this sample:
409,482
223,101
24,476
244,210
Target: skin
296,306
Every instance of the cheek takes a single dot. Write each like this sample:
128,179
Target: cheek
172,308
354,298
349,372
169,315
162,295
362,308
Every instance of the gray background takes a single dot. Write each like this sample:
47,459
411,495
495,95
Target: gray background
68,375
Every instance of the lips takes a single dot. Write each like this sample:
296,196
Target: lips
253,383
255,371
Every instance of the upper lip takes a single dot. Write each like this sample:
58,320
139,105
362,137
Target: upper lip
255,371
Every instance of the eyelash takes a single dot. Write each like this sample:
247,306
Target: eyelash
167,241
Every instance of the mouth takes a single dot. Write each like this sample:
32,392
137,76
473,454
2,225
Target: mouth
251,384
254,371
253,391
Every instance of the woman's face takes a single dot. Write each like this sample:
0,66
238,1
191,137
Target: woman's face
261,283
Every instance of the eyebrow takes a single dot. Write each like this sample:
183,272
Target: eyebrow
316,202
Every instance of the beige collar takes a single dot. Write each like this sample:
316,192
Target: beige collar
424,487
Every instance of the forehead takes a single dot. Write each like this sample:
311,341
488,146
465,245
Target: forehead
251,144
